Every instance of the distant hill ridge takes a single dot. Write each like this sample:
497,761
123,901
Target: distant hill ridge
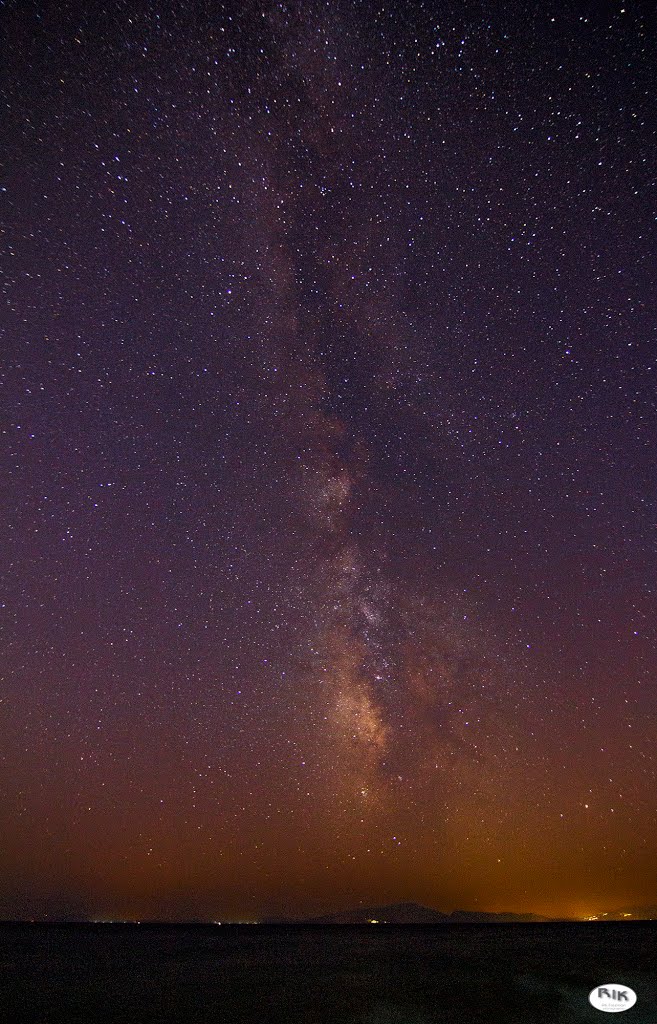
411,913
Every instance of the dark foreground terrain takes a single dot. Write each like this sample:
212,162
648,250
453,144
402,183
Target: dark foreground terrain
352,974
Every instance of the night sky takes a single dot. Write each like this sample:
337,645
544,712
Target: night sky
328,458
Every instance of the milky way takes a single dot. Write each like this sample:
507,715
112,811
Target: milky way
329,458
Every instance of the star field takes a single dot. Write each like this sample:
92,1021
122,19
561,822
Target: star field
328,458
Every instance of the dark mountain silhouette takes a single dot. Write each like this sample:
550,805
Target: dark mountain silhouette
411,913
394,913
